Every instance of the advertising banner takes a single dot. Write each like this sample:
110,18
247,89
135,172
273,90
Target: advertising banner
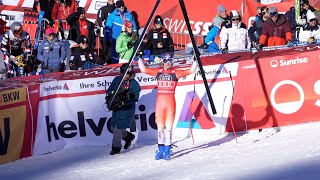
277,91
12,123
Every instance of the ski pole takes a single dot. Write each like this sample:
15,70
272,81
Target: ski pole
135,50
197,55
231,118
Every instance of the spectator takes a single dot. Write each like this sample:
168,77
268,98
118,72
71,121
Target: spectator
256,29
234,36
123,108
79,25
276,30
305,6
102,17
82,55
125,43
222,14
51,52
310,33
258,11
61,9
212,34
115,24
46,6
159,38
291,16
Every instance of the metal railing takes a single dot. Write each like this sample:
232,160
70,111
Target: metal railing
181,40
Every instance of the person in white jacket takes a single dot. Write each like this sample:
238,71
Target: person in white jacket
234,37
310,33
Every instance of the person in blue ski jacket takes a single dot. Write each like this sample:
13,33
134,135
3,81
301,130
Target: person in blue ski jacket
212,34
51,52
115,24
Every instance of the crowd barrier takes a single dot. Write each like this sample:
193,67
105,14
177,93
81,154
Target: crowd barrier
255,90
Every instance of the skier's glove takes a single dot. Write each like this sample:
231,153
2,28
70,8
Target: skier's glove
259,47
301,22
224,50
311,40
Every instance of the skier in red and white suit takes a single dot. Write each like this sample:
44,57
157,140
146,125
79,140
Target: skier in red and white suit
167,79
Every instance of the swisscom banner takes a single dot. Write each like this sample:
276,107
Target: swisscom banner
12,123
73,113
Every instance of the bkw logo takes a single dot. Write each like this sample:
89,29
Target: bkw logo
4,137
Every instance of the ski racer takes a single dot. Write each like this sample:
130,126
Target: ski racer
167,79
16,45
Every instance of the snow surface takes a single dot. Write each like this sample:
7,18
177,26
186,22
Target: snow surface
286,153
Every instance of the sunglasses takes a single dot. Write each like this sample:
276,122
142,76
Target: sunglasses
121,7
235,19
313,20
273,14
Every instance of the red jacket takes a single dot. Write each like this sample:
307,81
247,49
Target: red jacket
276,34
60,11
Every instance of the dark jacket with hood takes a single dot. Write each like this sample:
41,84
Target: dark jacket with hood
276,33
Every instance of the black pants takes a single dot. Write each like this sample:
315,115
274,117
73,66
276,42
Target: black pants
106,51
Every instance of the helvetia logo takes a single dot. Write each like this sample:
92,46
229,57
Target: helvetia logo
65,86
56,88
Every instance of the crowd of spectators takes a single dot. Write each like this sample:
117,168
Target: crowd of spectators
116,29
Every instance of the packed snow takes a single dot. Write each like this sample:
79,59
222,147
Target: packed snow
291,152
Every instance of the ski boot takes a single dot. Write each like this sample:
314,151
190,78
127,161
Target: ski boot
167,152
159,152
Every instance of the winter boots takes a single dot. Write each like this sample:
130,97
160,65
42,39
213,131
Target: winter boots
115,150
128,139
166,152
163,152
159,152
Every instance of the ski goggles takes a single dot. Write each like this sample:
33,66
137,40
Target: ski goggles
167,60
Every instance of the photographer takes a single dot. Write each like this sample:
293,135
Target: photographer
123,108
51,52
125,42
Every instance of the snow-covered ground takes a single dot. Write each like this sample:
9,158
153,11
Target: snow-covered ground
287,153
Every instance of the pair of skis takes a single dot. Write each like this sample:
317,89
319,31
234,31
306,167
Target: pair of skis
38,31
196,57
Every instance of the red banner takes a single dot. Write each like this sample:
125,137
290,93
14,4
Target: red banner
276,91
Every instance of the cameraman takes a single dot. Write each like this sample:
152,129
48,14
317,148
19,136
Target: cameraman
51,52
125,42
123,108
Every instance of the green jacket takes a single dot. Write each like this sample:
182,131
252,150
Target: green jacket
121,46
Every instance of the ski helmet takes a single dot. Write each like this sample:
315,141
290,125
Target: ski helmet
16,26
